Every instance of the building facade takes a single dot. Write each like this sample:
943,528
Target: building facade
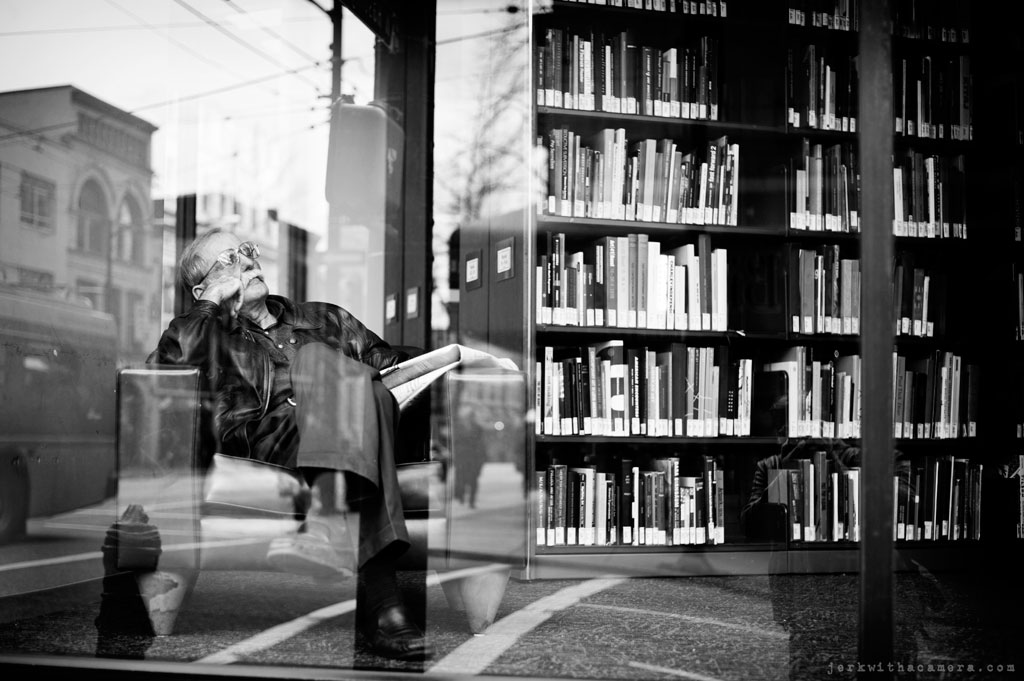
76,207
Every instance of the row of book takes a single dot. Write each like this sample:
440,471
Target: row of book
607,176
628,281
824,291
932,97
610,389
1017,402
935,498
591,70
917,295
1018,287
1017,181
836,15
678,390
930,196
710,8
1020,508
934,394
821,89
825,188
633,281
818,398
942,20
822,501
632,505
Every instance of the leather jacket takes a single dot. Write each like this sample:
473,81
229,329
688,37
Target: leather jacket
237,373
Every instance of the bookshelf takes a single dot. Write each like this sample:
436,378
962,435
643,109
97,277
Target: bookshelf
692,281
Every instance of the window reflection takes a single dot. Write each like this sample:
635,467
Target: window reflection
93,219
37,199
480,124
130,243
221,121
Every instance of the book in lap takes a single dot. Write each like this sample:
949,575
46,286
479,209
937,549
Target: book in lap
408,379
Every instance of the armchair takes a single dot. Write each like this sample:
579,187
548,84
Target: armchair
165,475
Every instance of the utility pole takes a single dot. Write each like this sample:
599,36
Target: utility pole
334,14
324,267
336,63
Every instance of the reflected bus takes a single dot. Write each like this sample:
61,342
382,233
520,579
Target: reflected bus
57,377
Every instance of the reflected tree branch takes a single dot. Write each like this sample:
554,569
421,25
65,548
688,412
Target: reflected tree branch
485,160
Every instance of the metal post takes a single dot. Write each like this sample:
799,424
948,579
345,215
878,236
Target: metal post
184,233
336,61
876,495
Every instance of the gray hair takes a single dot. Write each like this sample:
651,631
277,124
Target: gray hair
191,268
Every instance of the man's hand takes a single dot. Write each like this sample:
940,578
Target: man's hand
224,285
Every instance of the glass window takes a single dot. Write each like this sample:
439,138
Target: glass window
561,338
37,201
93,219
90,292
35,278
130,242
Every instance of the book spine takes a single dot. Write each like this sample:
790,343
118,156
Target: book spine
541,507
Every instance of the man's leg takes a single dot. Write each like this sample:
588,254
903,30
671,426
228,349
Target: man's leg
348,422
384,617
338,433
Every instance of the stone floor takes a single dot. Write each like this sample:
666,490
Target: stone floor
947,626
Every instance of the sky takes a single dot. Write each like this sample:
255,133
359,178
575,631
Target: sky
239,89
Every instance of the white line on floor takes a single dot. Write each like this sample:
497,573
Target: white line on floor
104,528
436,579
674,672
286,630
476,654
43,562
164,510
97,555
282,632
757,631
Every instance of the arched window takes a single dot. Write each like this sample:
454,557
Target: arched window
93,219
130,239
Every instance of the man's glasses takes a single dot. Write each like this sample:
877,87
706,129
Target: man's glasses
229,257
247,248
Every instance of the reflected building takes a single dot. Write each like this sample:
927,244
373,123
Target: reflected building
76,210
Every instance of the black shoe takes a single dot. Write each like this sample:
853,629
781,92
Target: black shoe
395,636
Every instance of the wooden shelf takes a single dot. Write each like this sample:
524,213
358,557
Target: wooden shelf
753,559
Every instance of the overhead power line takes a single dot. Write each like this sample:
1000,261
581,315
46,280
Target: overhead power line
114,28
277,36
179,44
482,34
98,29
242,42
36,131
505,9
226,88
